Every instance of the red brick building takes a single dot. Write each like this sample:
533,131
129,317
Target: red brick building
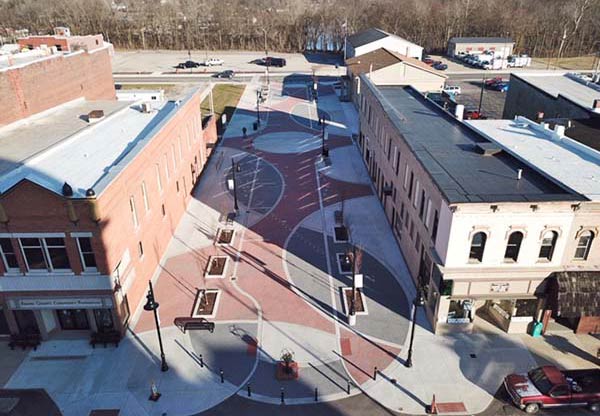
40,83
87,208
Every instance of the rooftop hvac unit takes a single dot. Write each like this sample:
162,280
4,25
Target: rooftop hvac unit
146,108
62,31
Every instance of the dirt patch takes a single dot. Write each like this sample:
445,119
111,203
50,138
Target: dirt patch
207,300
216,265
225,236
358,299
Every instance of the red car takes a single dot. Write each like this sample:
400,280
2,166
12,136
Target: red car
492,81
474,115
428,61
550,387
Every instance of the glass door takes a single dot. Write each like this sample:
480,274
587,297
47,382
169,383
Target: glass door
73,319
26,322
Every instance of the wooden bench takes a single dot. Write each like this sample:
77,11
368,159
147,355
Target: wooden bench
24,341
194,323
105,338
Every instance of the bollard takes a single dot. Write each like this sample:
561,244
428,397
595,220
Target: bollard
222,379
375,373
316,394
282,396
348,387
249,391
201,361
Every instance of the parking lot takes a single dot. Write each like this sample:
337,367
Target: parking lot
493,101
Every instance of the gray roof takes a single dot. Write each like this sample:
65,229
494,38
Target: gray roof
481,40
366,36
447,150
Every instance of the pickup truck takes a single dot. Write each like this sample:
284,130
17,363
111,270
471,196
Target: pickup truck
547,387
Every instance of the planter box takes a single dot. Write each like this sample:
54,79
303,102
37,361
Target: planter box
225,237
207,303
360,303
216,267
281,373
340,234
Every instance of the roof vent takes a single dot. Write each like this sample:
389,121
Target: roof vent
67,190
146,108
90,192
94,116
488,149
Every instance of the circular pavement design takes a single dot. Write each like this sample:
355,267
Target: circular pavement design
287,142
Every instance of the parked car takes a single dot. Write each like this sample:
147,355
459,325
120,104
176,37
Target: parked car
440,66
474,115
500,86
548,386
225,74
271,61
428,61
492,81
213,62
452,89
187,64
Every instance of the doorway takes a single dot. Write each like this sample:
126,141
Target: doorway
26,322
73,319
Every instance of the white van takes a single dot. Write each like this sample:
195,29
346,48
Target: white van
452,89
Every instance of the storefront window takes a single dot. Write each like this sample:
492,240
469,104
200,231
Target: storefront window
45,253
73,319
87,253
26,322
8,254
104,320
460,311
4,329
526,307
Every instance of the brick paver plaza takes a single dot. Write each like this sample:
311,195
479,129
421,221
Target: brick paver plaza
281,289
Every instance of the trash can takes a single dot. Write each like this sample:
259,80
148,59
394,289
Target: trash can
536,329
255,126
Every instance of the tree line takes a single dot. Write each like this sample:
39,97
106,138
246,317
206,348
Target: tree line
550,28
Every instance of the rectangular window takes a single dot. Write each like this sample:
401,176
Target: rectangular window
189,136
412,230
57,253
177,186
180,149
398,153
406,176
410,185
8,254
33,252
434,231
88,260
417,186
134,216
389,148
163,210
417,241
140,249
428,214
145,196
167,173
422,205
158,181
173,157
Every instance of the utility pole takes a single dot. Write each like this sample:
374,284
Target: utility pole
481,95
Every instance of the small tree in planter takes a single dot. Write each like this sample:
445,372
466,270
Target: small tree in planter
287,357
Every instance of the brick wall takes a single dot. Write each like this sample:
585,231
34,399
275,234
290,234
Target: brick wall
68,43
53,81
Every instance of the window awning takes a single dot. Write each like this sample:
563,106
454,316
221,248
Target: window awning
578,294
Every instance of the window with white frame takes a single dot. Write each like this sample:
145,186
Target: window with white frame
86,253
406,176
47,253
428,214
167,173
8,255
548,245
158,181
477,247
145,196
173,157
134,216
180,149
583,245
416,200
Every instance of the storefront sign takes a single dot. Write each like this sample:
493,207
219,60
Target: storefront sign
459,320
499,287
61,303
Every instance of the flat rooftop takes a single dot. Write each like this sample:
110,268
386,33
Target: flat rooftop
574,165
59,145
447,149
570,86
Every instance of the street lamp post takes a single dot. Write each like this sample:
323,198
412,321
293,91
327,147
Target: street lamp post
353,300
323,125
266,53
234,167
419,301
258,107
152,305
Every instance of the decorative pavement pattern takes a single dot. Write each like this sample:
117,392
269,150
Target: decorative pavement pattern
281,288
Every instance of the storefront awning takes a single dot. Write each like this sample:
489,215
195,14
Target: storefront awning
578,294
495,296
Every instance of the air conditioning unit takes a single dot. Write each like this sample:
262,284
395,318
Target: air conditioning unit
146,108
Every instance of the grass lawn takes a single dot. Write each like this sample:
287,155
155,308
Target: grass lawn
577,62
225,99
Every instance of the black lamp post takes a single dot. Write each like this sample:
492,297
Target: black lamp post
235,167
152,305
323,125
258,107
419,301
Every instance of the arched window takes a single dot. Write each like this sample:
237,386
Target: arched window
513,246
477,247
583,245
548,243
